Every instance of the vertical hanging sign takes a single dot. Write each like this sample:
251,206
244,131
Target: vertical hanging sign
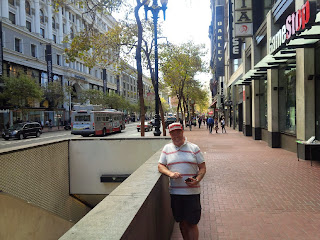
49,62
1,51
220,41
234,42
104,77
118,84
243,26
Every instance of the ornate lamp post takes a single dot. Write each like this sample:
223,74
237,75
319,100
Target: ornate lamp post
155,9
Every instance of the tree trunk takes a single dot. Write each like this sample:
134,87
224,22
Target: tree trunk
139,66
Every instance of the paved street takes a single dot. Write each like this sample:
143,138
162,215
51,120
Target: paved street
255,192
130,131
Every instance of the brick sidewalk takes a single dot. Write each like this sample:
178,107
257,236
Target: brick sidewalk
255,192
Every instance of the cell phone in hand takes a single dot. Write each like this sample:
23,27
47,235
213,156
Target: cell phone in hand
188,180
191,179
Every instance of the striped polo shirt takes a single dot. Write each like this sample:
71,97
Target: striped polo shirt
185,160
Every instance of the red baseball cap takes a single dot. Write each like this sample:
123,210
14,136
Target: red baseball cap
175,126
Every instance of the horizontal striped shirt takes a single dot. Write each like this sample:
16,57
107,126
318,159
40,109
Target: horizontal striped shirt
185,160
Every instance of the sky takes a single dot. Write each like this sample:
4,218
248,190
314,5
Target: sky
187,20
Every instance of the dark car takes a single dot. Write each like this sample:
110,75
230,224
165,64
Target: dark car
22,130
170,120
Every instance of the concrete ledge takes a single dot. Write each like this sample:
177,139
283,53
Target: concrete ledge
138,209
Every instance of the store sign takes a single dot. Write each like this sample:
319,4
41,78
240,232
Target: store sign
1,51
295,23
219,59
49,62
243,26
234,42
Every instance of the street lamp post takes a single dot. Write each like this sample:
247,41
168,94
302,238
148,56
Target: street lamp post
155,9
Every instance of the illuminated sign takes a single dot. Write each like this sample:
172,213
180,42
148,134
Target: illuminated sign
295,23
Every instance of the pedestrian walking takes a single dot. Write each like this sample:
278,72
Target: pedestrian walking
190,124
223,123
216,124
50,124
210,124
199,121
180,160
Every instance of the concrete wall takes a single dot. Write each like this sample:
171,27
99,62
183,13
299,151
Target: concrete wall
22,220
89,159
39,174
138,209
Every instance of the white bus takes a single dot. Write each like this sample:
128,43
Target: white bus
95,120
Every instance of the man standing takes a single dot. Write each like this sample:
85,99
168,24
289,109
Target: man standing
183,162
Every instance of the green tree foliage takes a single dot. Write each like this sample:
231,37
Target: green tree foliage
21,91
115,101
179,65
94,96
54,93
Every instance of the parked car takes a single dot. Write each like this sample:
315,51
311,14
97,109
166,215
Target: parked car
147,127
170,120
22,130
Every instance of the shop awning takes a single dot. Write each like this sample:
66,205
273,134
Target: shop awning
286,55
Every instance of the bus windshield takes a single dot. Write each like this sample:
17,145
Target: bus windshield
82,118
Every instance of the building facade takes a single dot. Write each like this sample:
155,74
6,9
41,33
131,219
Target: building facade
31,30
272,89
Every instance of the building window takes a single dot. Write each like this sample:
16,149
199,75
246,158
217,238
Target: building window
28,25
33,50
287,100
41,16
54,38
58,59
71,33
64,28
53,23
17,45
42,32
12,17
11,2
28,8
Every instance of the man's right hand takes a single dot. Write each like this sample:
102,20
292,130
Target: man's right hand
175,175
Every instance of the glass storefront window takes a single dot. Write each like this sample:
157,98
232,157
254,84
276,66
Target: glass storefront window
44,79
287,100
263,100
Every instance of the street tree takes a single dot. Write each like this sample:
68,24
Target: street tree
94,96
56,94
21,92
179,65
